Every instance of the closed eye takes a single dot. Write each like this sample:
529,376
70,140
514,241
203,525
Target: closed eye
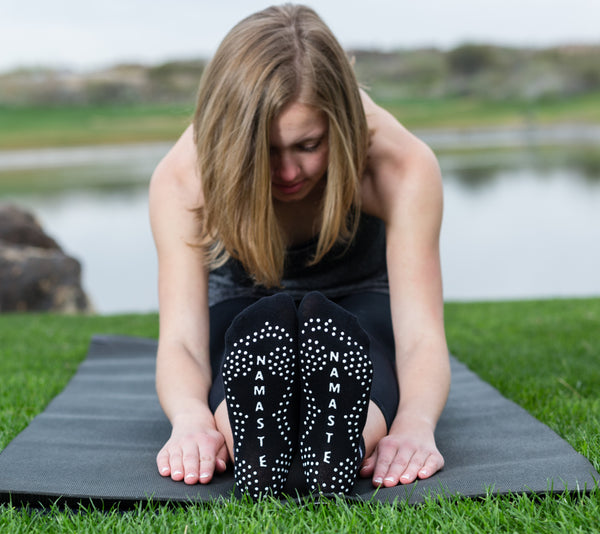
310,147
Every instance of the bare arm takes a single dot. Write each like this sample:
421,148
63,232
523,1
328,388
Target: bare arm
404,189
183,372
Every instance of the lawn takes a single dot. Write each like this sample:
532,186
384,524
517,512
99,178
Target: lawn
67,125
545,355
42,126
471,112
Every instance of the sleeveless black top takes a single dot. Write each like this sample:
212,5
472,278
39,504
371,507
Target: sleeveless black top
344,270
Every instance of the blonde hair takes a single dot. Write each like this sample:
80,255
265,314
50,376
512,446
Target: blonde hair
267,61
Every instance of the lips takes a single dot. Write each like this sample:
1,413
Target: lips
289,189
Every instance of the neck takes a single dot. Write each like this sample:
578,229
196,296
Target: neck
300,220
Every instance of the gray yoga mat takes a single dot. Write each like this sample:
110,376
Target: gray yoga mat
97,440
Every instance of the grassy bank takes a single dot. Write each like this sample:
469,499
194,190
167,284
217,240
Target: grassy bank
478,113
26,127
33,127
544,355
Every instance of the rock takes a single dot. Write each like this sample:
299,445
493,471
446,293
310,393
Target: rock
21,228
35,274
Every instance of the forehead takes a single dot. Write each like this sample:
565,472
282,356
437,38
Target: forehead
298,122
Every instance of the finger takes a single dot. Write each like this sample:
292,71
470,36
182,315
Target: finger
368,465
211,462
191,462
410,472
176,463
222,459
385,456
207,467
397,469
162,462
432,465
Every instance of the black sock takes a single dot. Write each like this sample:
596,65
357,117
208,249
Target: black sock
335,379
259,374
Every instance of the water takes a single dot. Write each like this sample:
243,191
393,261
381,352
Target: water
520,223
109,232
525,232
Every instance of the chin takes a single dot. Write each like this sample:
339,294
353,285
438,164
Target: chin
287,198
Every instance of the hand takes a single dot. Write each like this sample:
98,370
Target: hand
408,452
193,453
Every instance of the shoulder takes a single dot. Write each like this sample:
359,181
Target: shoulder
402,171
176,176
176,191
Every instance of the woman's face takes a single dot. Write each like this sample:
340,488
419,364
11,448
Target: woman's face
299,151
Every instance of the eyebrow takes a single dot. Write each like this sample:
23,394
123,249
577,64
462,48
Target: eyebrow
311,139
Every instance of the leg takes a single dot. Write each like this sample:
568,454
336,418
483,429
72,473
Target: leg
224,426
375,428
221,317
372,311
259,377
335,373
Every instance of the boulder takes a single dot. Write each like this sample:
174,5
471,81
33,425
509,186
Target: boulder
19,227
35,274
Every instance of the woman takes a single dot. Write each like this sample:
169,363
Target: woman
296,222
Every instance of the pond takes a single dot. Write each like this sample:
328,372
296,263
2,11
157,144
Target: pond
519,223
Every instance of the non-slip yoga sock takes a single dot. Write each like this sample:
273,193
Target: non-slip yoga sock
259,374
335,379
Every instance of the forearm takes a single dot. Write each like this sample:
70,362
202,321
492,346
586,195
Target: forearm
424,382
182,382
196,448
409,451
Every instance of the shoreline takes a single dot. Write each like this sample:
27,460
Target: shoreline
74,156
561,134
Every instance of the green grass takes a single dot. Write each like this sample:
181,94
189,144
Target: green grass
476,112
40,353
545,355
26,127
490,515
32,127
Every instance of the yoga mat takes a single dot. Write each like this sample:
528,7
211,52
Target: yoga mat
97,441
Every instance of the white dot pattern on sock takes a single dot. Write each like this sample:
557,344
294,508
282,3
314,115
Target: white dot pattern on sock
336,374
259,375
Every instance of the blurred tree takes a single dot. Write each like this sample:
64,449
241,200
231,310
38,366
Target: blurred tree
469,59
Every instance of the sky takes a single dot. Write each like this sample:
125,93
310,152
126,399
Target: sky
92,34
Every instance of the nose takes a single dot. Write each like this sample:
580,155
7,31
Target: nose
285,168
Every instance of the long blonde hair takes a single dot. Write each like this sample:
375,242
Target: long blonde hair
268,60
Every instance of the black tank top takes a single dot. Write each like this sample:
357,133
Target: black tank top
344,270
